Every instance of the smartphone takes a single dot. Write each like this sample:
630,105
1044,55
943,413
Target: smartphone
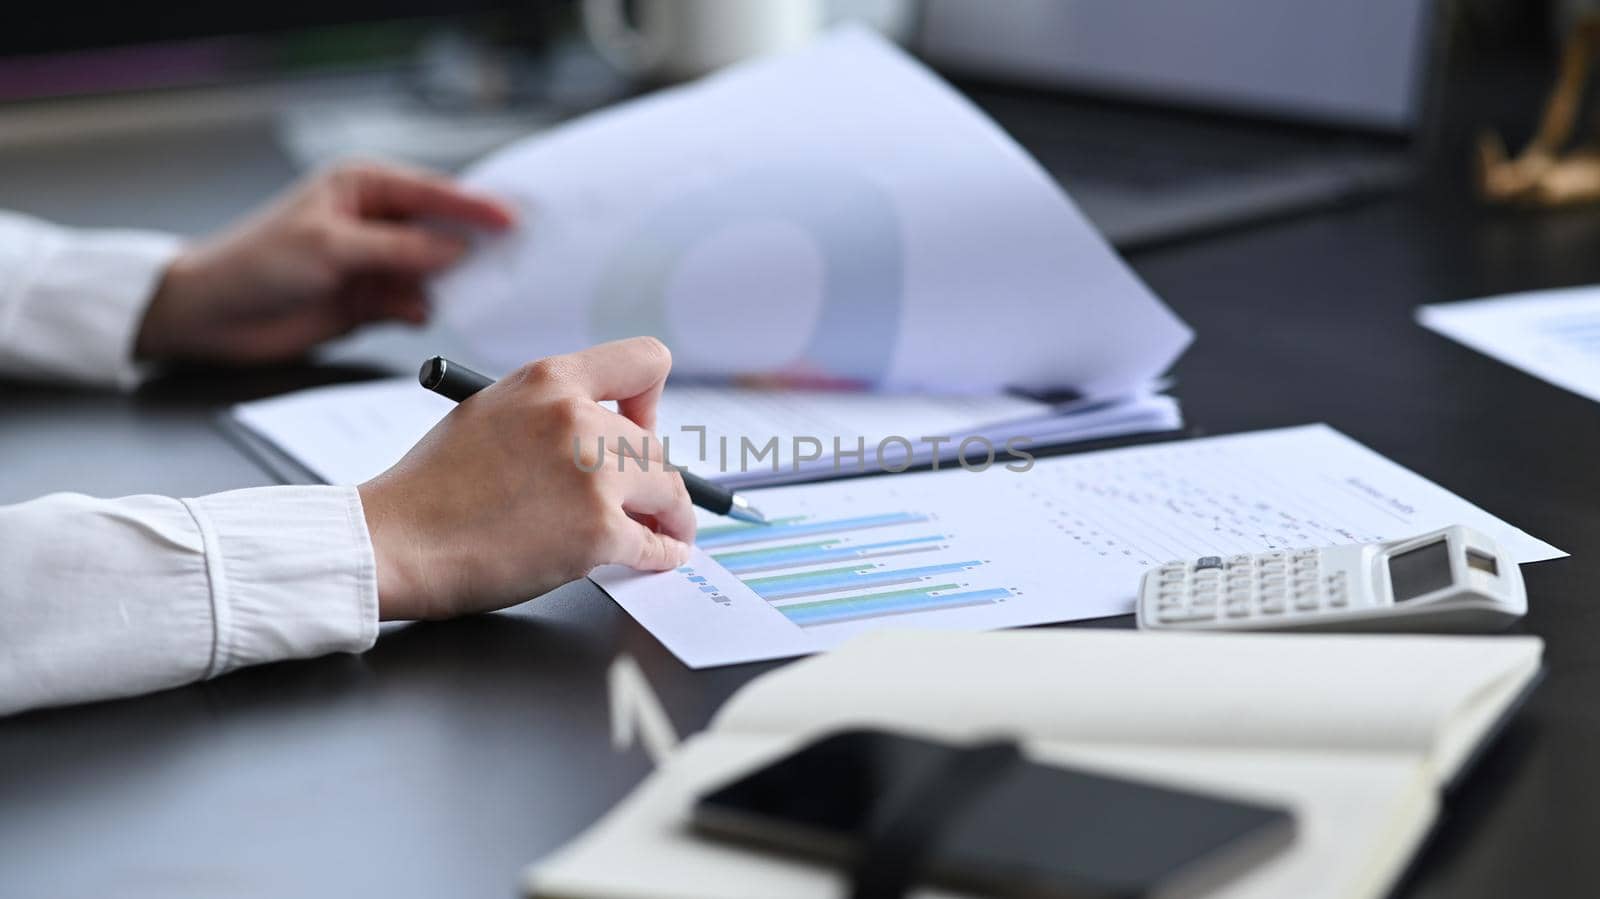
1035,832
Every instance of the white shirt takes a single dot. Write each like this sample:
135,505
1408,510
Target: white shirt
114,597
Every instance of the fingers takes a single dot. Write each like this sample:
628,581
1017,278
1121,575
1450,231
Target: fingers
631,371
379,297
641,409
402,303
393,191
659,493
409,305
652,519
640,548
384,247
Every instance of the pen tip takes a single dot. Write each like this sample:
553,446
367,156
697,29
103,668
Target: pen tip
741,510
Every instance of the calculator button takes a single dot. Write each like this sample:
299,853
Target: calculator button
1238,610
1337,598
1181,614
1272,605
1240,561
1207,562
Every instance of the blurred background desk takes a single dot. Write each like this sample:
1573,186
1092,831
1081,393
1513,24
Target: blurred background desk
446,758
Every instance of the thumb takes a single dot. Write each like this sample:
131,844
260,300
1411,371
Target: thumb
646,550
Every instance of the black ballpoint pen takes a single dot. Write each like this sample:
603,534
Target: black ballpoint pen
454,381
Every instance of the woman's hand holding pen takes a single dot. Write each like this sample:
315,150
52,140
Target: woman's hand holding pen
492,507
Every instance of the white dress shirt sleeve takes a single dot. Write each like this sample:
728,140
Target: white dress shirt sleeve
112,597
103,598
71,301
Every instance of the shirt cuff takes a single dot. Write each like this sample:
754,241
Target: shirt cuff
295,583
82,300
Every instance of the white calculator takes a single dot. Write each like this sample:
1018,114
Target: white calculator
1454,579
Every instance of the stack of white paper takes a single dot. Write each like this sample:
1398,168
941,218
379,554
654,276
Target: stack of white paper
835,217
838,214
346,434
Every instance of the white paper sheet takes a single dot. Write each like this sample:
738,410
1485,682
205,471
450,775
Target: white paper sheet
1066,540
1552,334
348,433
837,213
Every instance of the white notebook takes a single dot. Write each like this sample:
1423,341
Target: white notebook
1355,734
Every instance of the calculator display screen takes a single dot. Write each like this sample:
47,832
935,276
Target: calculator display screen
1420,571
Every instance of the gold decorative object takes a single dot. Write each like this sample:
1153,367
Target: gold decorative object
1554,169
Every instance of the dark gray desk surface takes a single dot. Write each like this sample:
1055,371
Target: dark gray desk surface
450,755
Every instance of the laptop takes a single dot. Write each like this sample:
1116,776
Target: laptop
1169,118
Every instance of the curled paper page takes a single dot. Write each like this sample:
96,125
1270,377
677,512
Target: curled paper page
836,215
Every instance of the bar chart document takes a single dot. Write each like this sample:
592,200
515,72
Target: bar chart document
1553,335
1067,539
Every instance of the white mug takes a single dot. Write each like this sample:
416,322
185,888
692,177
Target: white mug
681,39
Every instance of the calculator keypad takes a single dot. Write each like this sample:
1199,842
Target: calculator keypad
1241,587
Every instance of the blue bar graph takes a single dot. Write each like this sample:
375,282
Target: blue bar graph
833,580
796,555
835,611
761,534
822,572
